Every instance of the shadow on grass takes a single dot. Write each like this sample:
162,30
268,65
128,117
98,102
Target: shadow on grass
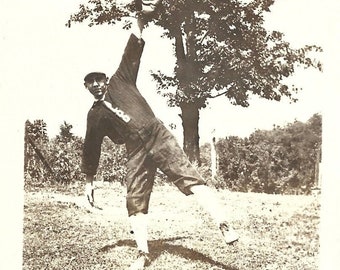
157,247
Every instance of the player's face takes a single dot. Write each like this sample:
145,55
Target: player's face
97,86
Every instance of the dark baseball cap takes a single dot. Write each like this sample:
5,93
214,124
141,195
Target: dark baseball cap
94,75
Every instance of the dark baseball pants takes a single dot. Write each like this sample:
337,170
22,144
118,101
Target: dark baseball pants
162,151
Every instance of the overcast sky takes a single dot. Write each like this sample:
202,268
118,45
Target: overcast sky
46,63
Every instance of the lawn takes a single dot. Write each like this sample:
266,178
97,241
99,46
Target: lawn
277,232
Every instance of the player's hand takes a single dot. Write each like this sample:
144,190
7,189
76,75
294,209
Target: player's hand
149,6
89,194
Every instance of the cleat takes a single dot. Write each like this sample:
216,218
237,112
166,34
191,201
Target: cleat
229,234
142,260
89,194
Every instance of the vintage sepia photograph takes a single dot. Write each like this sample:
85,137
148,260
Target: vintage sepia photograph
169,134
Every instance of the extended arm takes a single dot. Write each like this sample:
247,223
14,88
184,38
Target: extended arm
91,152
129,65
90,158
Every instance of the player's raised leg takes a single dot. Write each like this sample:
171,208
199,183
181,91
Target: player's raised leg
208,200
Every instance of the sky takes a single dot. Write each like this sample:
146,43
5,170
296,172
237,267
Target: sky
46,63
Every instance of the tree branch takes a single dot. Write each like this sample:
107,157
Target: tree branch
218,95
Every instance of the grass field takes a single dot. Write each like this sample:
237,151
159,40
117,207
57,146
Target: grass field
277,232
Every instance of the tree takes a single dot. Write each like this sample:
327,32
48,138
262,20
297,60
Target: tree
65,132
35,134
281,160
221,48
65,154
35,151
36,130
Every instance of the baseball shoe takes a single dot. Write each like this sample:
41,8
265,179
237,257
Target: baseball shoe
142,260
229,234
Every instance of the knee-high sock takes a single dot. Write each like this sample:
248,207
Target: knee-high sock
139,225
209,201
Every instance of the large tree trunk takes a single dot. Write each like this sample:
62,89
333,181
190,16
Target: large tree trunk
184,71
190,120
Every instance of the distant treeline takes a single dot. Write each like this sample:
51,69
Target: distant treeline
283,160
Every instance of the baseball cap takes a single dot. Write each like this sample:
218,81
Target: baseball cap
94,75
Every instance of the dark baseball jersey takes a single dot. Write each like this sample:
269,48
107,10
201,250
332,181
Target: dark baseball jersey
123,114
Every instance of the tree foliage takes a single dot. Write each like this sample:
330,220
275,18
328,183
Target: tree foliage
36,130
231,54
50,160
221,48
282,160
58,160
65,132
112,162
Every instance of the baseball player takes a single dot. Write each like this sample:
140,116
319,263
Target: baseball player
121,113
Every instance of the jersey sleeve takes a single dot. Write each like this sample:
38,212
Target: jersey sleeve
91,149
129,65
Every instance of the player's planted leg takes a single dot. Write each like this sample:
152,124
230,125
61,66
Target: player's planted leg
139,229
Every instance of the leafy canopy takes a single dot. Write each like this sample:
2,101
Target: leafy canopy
226,49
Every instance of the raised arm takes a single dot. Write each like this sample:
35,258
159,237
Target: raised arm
129,65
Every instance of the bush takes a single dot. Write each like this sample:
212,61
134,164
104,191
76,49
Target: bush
112,162
50,161
65,155
282,160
